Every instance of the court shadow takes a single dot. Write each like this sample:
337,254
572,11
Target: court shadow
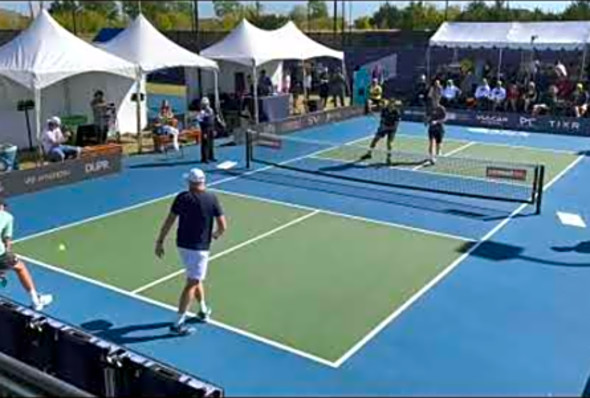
495,251
123,335
164,163
428,202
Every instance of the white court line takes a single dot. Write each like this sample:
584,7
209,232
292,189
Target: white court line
532,148
151,201
345,215
444,273
213,322
454,151
230,250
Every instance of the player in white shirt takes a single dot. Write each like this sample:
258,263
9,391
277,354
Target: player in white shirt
498,95
450,93
482,93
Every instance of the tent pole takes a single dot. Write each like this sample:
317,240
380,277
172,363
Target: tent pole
255,81
304,86
38,122
499,64
217,102
138,112
582,74
428,63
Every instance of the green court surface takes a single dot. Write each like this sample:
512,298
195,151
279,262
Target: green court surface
314,282
412,150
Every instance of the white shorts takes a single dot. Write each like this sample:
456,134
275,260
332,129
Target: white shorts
195,263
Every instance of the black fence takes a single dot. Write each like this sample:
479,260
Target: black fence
510,121
97,164
44,355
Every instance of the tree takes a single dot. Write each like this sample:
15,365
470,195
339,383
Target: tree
318,9
577,10
107,8
476,10
224,8
363,23
387,17
59,6
299,15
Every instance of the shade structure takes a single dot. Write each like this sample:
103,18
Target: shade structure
144,46
46,53
571,35
294,44
58,71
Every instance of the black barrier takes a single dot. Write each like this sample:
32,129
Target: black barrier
509,121
74,360
25,181
304,121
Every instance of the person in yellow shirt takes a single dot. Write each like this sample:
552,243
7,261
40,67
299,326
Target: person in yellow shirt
375,96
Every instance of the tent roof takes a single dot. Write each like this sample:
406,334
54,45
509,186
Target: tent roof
46,53
142,44
247,44
514,35
300,46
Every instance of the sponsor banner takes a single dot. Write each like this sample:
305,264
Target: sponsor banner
510,121
305,121
19,182
506,173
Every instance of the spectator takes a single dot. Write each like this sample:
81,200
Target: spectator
324,88
482,94
308,84
338,87
286,83
560,70
450,94
165,115
498,96
100,114
375,95
420,91
530,97
53,142
435,94
549,102
264,84
512,97
468,85
580,100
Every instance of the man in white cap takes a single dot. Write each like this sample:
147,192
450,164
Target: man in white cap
53,142
206,120
196,210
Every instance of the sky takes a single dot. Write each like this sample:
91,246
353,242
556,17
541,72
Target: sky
358,8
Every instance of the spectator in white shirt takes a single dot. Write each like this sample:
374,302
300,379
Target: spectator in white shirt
450,94
498,96
482,94
53,142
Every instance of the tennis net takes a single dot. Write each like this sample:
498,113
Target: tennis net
451,175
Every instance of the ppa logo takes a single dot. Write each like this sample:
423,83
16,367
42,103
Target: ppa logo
526,121
97,167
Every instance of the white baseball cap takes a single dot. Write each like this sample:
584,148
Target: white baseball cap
205,102
55,120
195,176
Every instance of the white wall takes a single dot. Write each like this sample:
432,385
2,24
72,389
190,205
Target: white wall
68,97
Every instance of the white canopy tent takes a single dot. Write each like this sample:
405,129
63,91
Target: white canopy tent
252,46
60,70
571,35
144,46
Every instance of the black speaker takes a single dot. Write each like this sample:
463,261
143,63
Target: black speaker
89,134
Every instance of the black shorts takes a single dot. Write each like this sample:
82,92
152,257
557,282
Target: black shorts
388,132
436,132
8,261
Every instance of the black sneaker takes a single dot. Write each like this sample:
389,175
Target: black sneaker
366,156
204,316
182,329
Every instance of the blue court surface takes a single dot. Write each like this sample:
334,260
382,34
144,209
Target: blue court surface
507,315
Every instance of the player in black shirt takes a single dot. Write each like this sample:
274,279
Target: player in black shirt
390,117
436,131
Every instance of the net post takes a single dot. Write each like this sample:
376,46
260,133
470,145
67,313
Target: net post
540,186
248,149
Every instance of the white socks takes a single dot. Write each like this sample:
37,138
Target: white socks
203,306
34,297
181,319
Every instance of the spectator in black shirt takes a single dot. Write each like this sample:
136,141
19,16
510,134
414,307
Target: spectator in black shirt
338,87
390,117
324,88
264,84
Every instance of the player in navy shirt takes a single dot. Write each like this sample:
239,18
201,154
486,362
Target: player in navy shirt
390,117
197,210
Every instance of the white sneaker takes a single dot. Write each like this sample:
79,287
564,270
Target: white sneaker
43,300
